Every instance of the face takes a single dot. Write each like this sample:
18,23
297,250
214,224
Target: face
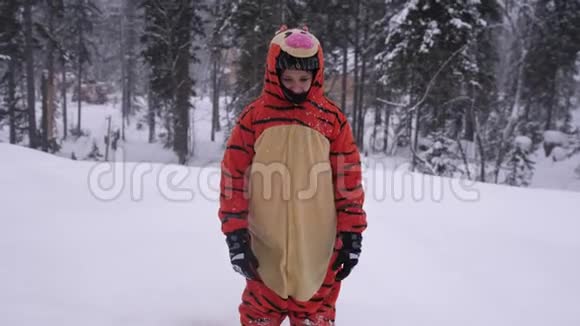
298,81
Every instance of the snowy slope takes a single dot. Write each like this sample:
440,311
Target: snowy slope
457,255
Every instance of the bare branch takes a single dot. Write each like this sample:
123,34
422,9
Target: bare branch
401,105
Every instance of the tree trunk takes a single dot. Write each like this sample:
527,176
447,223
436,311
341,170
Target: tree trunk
513,118
183,85
361,108
344,76
11,76
550,104
51,91
44,119
63,94
131,41
215,96
387,125
415,140
469,133
215,58
283,10
29,56
355,107
361,87
376,125
79,72
123,53
152,104
181,118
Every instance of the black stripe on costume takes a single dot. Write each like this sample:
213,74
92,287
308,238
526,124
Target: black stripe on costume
285,108
244,128
257,122
342,153
359,226
300,305
339,199
272,73
275,95
351,213
247,111
351,165
272,82
327,285
234,189
325,121
349,206
343,124
229,175
226,219
250,317
344,173
316,84
256,299
316,299
237,148
272,304
232,214
353,188
334,105
321,108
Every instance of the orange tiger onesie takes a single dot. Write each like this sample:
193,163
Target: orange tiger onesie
291,177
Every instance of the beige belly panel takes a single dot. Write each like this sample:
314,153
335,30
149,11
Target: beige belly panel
292,214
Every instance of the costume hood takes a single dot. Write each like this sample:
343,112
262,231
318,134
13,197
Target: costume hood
299,43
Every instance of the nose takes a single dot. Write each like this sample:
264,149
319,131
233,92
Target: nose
297,88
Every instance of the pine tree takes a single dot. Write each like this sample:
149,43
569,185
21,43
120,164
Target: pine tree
11,52
520,168
82,15
169,28
439,158
221,13
254,25
429,56
551,59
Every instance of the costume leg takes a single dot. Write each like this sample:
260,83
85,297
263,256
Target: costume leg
261,306
320,309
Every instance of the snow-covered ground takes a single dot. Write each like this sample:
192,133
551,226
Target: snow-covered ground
77,248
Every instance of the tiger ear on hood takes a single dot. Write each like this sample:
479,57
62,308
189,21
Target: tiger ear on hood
282,28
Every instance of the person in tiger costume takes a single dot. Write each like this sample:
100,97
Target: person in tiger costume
291,203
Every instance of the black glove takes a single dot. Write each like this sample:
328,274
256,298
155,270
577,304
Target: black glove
347,255
241,255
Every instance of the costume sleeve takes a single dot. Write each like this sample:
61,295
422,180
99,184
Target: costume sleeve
234,180
347,178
